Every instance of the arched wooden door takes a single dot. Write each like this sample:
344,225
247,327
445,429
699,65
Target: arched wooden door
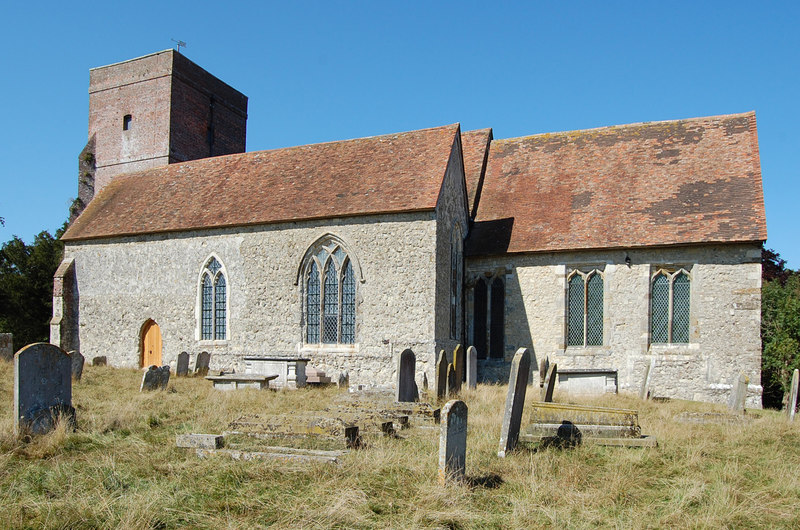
151,344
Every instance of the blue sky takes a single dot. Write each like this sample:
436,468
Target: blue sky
319,71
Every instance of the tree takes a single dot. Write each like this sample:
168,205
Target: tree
780,328
26,286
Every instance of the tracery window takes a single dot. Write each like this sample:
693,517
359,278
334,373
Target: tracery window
585,308
488,318
669,307
213,302
330,296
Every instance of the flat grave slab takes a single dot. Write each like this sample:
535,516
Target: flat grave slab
238,381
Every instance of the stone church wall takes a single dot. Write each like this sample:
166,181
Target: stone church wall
126,281
725,317
451,228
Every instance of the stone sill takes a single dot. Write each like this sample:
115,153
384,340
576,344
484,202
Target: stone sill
329,348
587,351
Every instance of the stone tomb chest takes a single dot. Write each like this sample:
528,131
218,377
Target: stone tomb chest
291,370
587,381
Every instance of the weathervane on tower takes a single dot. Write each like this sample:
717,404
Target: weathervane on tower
178,44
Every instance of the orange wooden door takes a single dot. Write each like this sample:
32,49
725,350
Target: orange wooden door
151,344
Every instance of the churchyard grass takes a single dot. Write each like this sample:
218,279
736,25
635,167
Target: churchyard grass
121,468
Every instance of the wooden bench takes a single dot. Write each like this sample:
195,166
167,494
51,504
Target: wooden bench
236,381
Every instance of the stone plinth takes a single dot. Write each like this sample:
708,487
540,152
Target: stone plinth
291,370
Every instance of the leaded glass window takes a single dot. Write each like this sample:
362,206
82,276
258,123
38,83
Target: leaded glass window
585,309
479,314
330,296
213,302
669,307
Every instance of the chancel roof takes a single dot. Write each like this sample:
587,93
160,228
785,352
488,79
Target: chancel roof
381,174
662,183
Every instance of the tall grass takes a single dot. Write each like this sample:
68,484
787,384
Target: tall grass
121,469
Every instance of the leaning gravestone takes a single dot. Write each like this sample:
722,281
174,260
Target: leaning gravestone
459,362
738,394
451,380
453,442
472,368
201,364
163,377
406,385
151,380
6,346
644,393
550,383
441,376
42,388
100,361
791,406
76,359
182,367
543,366
515,400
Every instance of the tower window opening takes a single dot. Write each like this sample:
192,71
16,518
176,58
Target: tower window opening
126,122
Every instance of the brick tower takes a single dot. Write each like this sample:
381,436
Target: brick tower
154,110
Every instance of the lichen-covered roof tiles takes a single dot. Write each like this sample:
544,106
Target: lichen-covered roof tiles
662,183
381,174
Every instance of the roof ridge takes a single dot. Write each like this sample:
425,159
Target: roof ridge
629,125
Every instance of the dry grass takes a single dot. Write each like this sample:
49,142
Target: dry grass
121,469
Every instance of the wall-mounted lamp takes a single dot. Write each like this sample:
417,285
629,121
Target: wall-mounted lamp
627,260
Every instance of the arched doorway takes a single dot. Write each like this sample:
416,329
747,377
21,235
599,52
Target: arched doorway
150,345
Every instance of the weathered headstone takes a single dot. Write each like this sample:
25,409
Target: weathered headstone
406,384
344,380
424,381
644,393
163,379
42,388
459,364
550,383
453,442
151,380
201,364
182,367
515,400
791,406
6,346
543,366
100,361
738,393
472,368
441,376
76,360
451,380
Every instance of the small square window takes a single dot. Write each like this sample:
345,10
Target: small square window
126,122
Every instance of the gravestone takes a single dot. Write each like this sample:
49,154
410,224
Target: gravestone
543,366
451,380
472,368
344,380
406,370
100,361
201,364
6,346
76,360
163,378
453,442
644,393
791,406
42,388
515,400
182,367
151,380
550,383
441,376
738,393
424,381
459,362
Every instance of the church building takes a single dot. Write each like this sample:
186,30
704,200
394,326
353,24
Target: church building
608,251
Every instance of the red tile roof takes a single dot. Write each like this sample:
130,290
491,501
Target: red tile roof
662,183
475,148
381,174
